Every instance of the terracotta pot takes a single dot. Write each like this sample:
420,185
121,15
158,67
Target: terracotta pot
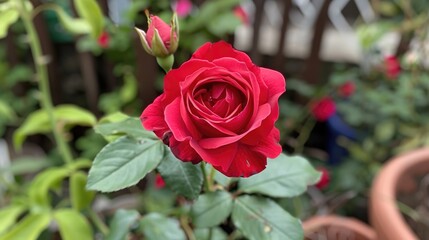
333,227
397,176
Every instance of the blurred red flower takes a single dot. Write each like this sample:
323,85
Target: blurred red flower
347,89
324,179
103,40
323,108
392,67
159,181
242,15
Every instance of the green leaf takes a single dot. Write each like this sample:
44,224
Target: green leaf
73,25
79,196
91,12
208,12
185,179
131,127
121,223
74,115
8,216
123,163
113,117
204,234
28,228
66,116
369,34
211,209
284,176
223,24
260,218
8,16
28,165
301,87
44,181
384,131
73,225
128,91
155,226
6,112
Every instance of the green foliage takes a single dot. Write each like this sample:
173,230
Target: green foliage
185,179
91,13
121,223
79,196
38,191
29,228
130,127
115,101
38,121
211,209
261,218
204,234
284,177
8,216
73,225
156,226
8,15
70,24
124,162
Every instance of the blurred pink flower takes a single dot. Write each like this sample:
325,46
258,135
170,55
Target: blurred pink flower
323,108
242,15
182,7
392,67
324,179
347,89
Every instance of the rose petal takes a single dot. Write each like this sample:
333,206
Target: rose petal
212,143
246,163
163,29
176,121
183,151
152,117
212,51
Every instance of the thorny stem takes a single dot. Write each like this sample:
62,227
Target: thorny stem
43,81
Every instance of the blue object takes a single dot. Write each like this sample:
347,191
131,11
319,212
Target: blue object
338,128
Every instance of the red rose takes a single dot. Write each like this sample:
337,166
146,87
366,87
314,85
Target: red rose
347,89
324,179
323,109
103,40
219,108
393,68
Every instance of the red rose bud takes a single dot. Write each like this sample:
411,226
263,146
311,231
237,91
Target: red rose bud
220,108
161,40
103,40
392,67
347,89
324,179
159,181
323,109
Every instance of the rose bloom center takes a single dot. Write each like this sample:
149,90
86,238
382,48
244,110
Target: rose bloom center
220,99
